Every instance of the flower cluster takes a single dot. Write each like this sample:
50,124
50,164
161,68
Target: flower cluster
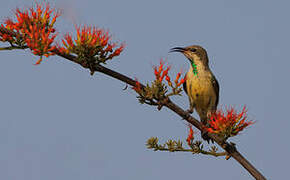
228,124
157,93
161,72
158,89
92,44
33,28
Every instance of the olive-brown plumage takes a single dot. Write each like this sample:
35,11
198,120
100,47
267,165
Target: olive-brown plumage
201,85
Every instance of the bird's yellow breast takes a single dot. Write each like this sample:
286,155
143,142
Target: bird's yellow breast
200,88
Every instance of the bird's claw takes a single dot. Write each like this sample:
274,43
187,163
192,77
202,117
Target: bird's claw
206,137
190,111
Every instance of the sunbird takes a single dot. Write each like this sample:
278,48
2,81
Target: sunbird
201,86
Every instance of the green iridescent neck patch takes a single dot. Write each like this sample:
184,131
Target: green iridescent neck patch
194,68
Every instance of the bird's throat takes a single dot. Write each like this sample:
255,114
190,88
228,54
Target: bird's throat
194,67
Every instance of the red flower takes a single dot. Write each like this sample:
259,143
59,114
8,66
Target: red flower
168,80
36,29
165,73
177,77
177,82
118,51
110,47
91,42
137,87
160,72
182,80
190,136
229,123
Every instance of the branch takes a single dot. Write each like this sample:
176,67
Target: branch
228,147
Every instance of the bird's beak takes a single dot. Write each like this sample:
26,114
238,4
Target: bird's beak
177,49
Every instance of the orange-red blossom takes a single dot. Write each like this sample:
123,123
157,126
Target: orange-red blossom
35,27
90,42
190,136
161,72
229,123
137,87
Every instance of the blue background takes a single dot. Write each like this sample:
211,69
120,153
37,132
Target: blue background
58,122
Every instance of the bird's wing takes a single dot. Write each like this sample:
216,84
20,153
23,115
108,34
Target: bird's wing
216,89
184,85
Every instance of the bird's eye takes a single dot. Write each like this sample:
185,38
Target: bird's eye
193,50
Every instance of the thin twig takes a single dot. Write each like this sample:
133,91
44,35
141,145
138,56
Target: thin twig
216,154
13,47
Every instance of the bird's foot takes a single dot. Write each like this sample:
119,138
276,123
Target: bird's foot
206,137
190,111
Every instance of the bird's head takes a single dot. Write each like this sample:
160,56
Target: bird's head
193,53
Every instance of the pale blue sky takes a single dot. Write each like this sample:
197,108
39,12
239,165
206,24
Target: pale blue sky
58,122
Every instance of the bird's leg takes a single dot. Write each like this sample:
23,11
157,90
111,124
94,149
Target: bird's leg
204,134
208,115
190,110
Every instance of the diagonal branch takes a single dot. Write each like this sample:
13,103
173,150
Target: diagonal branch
228,147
